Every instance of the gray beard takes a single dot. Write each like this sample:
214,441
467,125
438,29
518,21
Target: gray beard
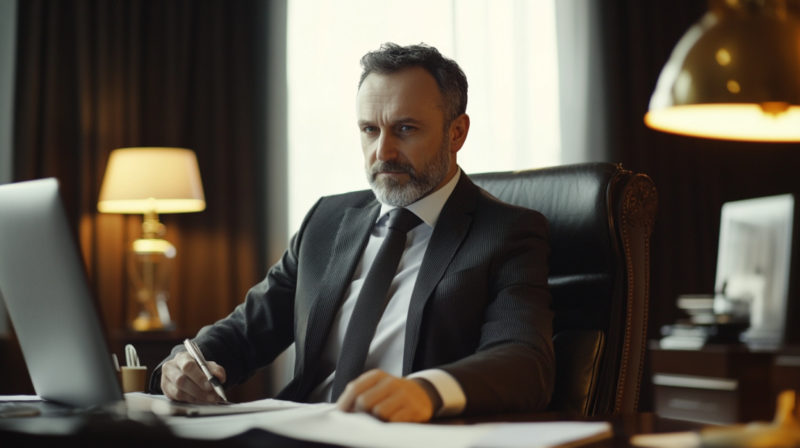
390,192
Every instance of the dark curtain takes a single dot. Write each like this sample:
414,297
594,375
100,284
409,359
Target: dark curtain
694,176
93,76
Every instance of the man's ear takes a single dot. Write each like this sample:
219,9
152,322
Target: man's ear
459,129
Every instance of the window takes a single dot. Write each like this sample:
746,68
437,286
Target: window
507,48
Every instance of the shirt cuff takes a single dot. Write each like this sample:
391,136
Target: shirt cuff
453,399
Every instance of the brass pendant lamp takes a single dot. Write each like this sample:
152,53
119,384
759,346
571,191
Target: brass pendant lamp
734,75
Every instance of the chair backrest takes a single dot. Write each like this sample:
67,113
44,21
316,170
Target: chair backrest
601,218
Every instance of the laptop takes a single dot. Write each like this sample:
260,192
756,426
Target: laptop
49,302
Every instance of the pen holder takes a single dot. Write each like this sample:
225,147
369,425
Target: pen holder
133,379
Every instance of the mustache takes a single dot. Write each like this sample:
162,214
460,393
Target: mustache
392,166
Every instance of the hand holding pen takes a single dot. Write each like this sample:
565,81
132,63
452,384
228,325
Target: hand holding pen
182,379
194,350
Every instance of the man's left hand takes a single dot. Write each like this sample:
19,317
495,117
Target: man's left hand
387,397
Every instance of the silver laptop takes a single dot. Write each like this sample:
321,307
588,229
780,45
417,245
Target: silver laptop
44,286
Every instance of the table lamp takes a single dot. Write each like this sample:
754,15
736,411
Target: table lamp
734,75
151,181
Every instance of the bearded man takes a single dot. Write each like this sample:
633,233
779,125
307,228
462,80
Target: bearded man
422,297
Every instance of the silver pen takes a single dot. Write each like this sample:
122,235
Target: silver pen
194,350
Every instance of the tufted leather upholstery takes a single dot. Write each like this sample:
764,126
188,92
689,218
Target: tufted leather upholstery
601,217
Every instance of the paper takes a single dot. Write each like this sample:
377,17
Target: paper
20,398
667,440
267,404
324,423
544,434
161,405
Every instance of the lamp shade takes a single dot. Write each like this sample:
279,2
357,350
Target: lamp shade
734,75
160,180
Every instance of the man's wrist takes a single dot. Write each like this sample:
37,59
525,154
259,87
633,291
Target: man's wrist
433,395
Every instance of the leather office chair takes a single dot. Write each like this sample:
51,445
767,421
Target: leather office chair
601,217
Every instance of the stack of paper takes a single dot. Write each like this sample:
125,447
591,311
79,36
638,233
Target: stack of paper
324,423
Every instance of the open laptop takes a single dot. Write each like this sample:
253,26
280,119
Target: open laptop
44,286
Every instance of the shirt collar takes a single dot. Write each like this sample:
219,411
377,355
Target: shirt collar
430,207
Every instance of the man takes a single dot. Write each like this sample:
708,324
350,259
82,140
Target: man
423,297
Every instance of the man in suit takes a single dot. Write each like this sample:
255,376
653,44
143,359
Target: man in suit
424,296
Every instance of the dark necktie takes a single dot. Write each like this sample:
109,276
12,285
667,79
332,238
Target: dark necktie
372,300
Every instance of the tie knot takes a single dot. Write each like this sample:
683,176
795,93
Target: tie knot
403,220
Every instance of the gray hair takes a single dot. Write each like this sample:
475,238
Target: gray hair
451,80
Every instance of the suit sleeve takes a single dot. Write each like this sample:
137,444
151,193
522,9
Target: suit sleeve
258,330
513,369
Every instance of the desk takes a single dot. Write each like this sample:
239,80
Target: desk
103,431
754,378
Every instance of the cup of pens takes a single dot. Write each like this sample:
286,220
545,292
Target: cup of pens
133,375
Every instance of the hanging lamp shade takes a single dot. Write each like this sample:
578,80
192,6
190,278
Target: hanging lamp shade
734,75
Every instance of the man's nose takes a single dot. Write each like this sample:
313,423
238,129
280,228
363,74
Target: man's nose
387,147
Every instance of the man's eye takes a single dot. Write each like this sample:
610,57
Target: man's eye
406,128
370,129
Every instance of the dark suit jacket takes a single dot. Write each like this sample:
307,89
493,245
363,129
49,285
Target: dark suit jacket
480,308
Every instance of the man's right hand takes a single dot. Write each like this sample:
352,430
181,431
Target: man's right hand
182,380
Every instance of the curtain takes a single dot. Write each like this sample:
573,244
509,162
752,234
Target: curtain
507,49
694,176
93,76
581,81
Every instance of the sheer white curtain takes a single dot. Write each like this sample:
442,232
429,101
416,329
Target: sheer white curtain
507,48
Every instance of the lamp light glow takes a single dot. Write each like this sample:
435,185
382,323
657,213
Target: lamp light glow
154,246
728,122
734,75
158,180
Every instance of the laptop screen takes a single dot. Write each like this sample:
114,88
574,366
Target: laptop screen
48,298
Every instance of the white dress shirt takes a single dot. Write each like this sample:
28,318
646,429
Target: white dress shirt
386,349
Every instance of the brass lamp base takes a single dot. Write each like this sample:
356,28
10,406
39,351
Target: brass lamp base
149,266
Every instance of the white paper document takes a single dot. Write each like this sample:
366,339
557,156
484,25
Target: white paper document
162,405
324,423
20,398
544,434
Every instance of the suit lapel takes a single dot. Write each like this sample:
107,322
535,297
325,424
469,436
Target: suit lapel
352,236
450,231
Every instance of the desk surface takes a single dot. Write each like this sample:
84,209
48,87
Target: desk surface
625,425
102,429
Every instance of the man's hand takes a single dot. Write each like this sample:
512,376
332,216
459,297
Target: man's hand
387,397
182,380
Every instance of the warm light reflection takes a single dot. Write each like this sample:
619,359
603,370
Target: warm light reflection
723,57
158,206
728,122
154,246
734,86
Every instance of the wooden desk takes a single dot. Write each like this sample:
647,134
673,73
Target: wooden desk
754,379
104,431
717,384
625,425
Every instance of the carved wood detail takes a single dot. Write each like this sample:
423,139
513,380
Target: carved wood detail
641,201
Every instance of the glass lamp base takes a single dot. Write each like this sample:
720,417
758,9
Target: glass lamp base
149,267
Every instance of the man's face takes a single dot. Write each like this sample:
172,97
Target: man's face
407,151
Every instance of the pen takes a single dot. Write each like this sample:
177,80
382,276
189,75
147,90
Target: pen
131,358
194,350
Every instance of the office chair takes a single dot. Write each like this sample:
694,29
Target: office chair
601,217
